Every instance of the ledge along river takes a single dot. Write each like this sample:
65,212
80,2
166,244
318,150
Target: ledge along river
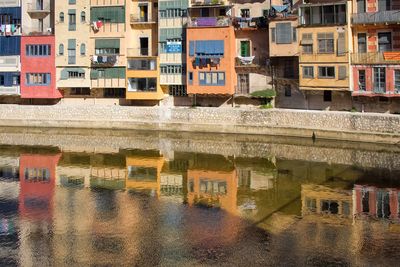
131,198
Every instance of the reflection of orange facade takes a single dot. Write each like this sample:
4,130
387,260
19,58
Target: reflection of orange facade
378,202
143,173
213,188
37,183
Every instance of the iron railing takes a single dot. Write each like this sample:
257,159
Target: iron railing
380,17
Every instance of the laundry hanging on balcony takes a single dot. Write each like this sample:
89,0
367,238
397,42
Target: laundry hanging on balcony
97,25
246,60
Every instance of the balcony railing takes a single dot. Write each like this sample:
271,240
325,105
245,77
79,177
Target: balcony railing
207,2
388,57
139,52
209,22
136,19
10,90
381,17
250,62
250,23
104,60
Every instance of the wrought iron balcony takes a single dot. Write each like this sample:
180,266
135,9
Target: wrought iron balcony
251,62
136,19
380,17
209,22
370,58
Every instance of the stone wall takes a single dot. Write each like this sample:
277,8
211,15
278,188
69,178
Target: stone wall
384,128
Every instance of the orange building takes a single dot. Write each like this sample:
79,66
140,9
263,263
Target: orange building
210,50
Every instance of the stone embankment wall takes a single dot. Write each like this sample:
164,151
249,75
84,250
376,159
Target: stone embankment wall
381,128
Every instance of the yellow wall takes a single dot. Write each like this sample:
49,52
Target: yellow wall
283,50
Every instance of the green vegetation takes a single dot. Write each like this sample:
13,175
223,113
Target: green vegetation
266,106
267,93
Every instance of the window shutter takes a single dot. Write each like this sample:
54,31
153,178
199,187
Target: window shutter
294,34
48,78
71,2
273,32
94,74
342,72
64,74
83,49
106,43
283,33
191,48
61,49
341,44
71,43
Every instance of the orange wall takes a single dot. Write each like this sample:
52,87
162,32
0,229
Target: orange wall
227,63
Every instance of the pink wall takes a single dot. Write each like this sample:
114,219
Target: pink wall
369,80
38,64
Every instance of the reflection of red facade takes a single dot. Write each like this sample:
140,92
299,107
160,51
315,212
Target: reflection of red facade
377,202
40,65
37,184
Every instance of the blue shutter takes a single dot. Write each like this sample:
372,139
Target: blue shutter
219,47
64,74
191,48
48,78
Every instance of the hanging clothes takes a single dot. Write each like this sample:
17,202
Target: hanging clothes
8,29
94,26
99,24
197,61
95,59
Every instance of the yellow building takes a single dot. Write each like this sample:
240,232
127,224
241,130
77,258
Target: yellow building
143,173
142,69
72,47
108,49
324,58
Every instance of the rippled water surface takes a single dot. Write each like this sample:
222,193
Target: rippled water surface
103,198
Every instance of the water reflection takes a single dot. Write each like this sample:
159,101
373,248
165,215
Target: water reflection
145,207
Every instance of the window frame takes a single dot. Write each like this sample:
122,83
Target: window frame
325,76
309,68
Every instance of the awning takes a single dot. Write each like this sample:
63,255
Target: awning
280,8
106,43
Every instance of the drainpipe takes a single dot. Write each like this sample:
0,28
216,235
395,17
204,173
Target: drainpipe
350,45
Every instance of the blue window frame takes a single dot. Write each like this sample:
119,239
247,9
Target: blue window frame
38,79
212,78
42,50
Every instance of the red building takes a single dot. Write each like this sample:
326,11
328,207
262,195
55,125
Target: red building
37,185
38,70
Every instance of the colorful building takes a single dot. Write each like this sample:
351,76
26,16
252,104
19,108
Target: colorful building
324,59
10,43
211,52
38,69
108,49
375,61
72,48
143,71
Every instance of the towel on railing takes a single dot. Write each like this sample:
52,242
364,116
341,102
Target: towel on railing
246,60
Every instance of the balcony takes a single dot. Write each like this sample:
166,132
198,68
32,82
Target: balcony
209,22
137,20
10,90
104,60
250,62
207,2
250,23
381,17
371,58
139,52
38,11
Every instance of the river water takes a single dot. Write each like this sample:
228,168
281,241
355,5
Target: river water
107,198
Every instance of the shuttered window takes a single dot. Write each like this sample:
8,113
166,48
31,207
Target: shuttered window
342,73
273,35
10,46
283,33
307,43
72,20
208,48
191,48
108,73
61,49
308,72
294,31
83,49
341,44
9,79
108,14
71,51
107,43
170,33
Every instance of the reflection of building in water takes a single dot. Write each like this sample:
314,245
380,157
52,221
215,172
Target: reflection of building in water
377,202
334,204
171,184
9,168
144,172
36,206
213,188
107,171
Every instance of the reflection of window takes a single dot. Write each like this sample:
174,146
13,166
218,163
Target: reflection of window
329,206
346,208
142,173
365,200
191,186
36,203
213,187
311,204
382,204
37,175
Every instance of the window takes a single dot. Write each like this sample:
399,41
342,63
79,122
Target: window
325,43
172,69
284,33
383,5
83,49
142,64
397,81
38,78
16,80
142,84
294,32
308,72
245,13
341,44
101,73
342,73
190,78
177,90
61,16
288,90
326,72
72,2
307,43
245,48
61,49
2,80
361,6
71,51
76,75
330,206
362,42
107,51
383,204
326,14
114,92
83,17
288,69
384,41
379,80
80,91
211,48
72,20
361,80
327,96
265,12
38,50
311,204
212,78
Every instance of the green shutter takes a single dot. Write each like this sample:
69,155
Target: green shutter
64,74
94,74
72,2
114,73
106,43
182,4
109,14
170,33
71,43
